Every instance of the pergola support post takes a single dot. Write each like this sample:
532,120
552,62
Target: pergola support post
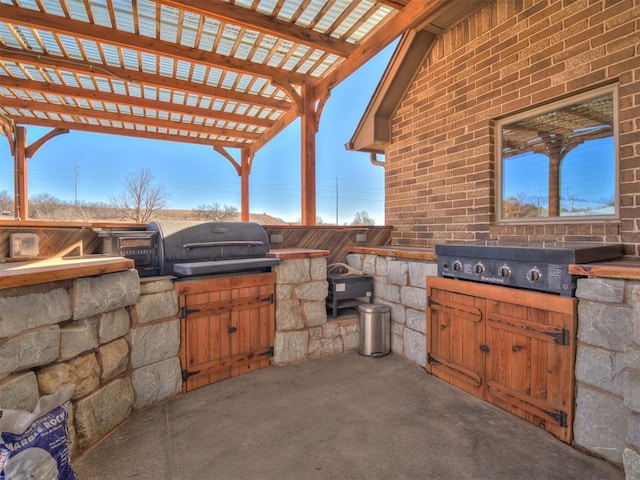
554,185
309,128
21,207
21,153
245,169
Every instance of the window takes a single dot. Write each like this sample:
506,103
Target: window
559,162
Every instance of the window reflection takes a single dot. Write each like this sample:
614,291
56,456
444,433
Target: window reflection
560,162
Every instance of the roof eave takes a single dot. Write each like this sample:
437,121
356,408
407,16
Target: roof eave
373,131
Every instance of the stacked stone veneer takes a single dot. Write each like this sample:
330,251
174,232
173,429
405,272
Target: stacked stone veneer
401,284
302,328
607,420
116,339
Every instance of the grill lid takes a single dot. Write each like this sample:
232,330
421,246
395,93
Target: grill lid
183,242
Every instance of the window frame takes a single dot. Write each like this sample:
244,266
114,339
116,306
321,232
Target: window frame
548,107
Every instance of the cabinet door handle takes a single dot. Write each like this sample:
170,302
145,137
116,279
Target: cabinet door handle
232,329
484,348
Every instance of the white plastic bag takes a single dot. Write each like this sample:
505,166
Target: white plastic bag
33,445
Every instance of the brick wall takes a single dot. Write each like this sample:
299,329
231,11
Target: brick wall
509,56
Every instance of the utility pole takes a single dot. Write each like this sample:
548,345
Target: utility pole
336,200
75,171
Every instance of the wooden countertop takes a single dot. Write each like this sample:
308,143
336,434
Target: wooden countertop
293,253
414,253
625,268
17,274
31,272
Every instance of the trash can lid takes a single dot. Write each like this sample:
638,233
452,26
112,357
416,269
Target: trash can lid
373,308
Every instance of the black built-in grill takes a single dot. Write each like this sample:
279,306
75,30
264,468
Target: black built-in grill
189,249
534,266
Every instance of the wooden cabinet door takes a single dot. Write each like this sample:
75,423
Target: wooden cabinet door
228,327
455,328
514,348
207,338
253,327
531,359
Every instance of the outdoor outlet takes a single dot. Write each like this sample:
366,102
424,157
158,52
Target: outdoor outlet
23,245
361,237
276,238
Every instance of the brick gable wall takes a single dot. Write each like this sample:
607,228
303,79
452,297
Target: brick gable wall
509,56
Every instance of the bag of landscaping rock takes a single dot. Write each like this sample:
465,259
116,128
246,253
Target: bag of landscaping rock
33,445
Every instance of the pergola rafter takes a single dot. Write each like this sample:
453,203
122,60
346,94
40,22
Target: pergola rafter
64,93
255,21
123,39
96,71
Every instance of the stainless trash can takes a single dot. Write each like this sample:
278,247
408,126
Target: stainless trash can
375,329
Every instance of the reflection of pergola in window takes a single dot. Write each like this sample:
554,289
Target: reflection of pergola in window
558,132
226,74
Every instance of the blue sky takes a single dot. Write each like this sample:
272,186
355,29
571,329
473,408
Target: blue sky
195,174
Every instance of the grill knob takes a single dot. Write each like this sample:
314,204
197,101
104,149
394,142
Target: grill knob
457,266
504,271
478,268
534,275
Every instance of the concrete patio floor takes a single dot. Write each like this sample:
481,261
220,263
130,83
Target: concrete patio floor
346,417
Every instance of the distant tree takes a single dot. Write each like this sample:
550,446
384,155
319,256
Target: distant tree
44,206
6,203
516,207
141,197
363,218
215,212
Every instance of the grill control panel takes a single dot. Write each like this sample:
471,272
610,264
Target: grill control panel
546,277
530,265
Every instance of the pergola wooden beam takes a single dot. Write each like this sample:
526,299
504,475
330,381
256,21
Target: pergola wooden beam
243,17
135,77
131,101
84,127
53,23
282,123
243,169
35,146
411,16
8,128
416,13
124,118
397,4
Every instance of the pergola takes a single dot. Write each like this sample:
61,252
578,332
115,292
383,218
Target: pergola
229,74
